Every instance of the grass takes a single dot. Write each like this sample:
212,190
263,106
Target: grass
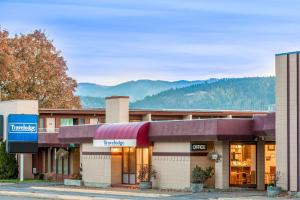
25,181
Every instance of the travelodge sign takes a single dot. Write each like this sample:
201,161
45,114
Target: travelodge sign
22,133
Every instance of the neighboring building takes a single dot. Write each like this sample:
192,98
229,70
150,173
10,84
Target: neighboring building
161,138
288,120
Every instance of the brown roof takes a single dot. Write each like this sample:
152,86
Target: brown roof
77,134
204,129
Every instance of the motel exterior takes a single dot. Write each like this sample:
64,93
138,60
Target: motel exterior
109,146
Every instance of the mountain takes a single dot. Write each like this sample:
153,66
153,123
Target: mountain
256,93
137,90
92,102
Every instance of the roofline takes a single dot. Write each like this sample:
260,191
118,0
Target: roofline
286,53
153,111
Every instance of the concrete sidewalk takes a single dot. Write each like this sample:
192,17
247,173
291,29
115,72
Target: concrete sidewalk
60,192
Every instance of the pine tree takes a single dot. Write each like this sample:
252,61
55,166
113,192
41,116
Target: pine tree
8,164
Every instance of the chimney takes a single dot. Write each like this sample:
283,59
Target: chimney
117,109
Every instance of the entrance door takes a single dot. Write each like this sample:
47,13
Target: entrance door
129,165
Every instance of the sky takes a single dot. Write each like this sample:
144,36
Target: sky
112,41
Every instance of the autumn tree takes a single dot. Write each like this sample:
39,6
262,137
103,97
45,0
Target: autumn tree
32,68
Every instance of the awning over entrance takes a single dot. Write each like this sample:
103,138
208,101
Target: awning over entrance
122,134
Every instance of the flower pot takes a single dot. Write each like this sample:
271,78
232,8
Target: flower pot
145,185
273,191
197,187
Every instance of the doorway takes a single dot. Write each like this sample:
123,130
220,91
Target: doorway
129,165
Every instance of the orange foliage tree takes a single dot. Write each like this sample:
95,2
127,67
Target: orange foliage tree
32,68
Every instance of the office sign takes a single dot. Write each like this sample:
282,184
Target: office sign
115,143
22,133
198,147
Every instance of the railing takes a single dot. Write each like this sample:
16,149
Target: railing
48,130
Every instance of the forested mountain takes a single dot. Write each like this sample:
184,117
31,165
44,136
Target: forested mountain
257,93
137,90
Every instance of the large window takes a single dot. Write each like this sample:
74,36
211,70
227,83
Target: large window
270,163
243,164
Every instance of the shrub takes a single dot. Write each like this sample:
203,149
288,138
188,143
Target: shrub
8,164
145,172
200,175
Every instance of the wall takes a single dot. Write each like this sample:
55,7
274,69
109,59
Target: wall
96,165
173,171
204,161
287,120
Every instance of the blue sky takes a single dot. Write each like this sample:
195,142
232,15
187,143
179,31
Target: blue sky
112,41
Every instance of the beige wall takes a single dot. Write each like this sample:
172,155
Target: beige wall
96,169
222,167
117,109
204,161
173,172
281,119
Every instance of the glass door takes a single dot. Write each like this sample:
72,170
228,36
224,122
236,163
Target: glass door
142,159
129,165
270,163
243,165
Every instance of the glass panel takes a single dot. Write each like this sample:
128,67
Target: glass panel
66,166
270,163
54,160
125,160
145,156
66,122
243,164
60,166
41,123
132,160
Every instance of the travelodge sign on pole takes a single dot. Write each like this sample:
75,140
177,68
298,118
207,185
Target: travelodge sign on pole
22,133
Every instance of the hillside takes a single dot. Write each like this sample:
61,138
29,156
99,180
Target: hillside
137,90
256,93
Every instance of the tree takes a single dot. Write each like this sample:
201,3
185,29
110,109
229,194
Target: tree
8,164
32,68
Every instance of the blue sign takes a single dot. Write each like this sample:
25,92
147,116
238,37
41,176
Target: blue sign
22,128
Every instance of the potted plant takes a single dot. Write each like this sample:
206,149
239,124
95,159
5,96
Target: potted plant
273,189
200,176
145,173
75,179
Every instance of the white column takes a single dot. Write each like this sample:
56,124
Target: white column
147,117
188,117
21,167
222,167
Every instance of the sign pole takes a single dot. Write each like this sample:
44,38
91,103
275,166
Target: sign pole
21,167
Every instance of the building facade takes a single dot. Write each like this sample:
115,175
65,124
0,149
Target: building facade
244,140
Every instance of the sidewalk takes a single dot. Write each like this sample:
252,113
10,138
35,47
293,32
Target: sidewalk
60,192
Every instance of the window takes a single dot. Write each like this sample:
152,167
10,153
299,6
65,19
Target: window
66,122
243,164
41,124
270,163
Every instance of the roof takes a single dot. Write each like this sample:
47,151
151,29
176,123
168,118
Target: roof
155,112
286,53
203,129
77,134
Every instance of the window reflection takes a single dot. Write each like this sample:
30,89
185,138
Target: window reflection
270,163
243,164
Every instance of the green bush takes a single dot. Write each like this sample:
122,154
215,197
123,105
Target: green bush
8,164
200,175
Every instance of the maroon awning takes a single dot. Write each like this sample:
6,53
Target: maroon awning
125,131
